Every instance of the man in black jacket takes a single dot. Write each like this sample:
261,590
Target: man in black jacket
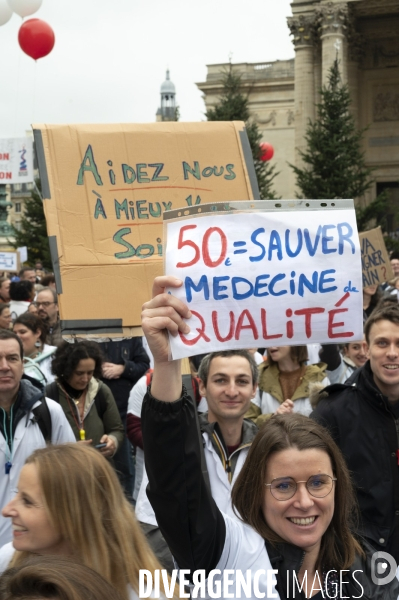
363,418
126,362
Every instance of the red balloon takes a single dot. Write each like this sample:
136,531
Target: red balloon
267,151
36,38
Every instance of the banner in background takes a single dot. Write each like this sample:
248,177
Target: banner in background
16,160
9,261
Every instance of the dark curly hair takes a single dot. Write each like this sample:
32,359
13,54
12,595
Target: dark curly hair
67,357
34,323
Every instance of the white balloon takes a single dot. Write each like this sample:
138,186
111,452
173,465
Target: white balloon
5,12
24,8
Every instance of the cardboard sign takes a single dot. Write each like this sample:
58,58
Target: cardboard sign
16,160
252,278
376,266
9,261
105,189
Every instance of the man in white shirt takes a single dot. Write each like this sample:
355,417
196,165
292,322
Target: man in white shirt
228,380
27,422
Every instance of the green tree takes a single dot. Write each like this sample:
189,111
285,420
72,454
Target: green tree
33,233
377,214
334,164
233,106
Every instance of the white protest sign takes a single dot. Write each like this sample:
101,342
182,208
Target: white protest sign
260,278
8,261
16,160
23,253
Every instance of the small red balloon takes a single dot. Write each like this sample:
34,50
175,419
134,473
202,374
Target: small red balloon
36,38
267,151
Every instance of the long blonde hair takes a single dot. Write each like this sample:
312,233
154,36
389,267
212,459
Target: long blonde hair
86,505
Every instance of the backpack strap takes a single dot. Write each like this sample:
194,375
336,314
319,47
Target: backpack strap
53,392
101,400
43,419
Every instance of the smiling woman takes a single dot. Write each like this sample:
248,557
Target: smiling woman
70,503
299,478
31,523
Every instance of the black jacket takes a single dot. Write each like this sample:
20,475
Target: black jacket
128,352
363,425
353,583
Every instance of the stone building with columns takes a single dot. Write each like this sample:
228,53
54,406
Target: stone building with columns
364,34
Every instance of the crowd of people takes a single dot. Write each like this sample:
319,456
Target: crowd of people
282,462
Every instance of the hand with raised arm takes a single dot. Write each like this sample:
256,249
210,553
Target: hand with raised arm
163,314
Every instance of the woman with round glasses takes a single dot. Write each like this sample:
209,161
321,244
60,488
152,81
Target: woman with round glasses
294,494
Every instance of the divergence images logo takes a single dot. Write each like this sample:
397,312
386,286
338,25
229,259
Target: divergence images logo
383,568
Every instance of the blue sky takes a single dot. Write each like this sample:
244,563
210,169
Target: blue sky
110,57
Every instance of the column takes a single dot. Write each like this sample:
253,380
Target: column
356,51
302,28
333,26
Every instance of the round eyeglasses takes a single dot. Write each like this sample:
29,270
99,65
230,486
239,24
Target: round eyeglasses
318,486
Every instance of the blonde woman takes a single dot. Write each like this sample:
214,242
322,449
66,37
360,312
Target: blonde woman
70,503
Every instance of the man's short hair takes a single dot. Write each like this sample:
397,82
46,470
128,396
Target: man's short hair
24,269
54,293
394,256
47,279
203,371
387,313
5,334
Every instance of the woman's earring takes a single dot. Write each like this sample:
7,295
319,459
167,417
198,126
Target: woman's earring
38,344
